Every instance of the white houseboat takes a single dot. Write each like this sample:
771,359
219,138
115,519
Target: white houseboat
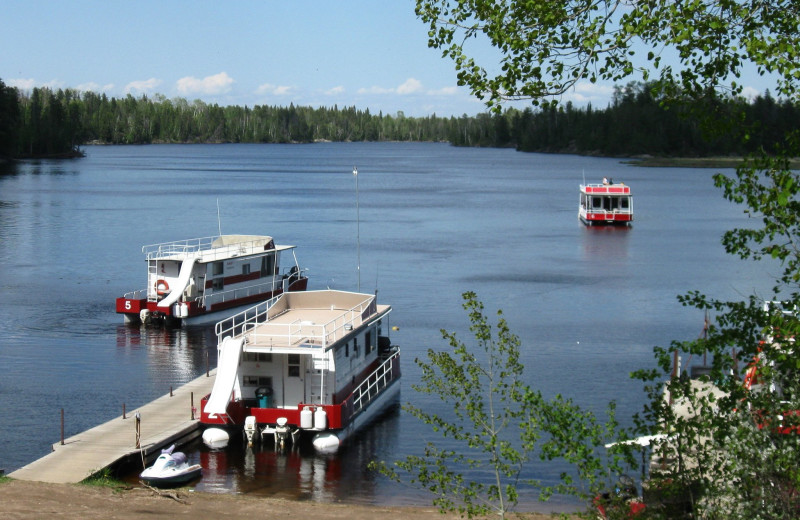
203,280
606,204
306,366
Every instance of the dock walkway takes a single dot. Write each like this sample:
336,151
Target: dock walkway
163,421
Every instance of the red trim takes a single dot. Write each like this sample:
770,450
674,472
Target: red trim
130,305
614,188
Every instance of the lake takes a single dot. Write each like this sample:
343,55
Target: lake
425,223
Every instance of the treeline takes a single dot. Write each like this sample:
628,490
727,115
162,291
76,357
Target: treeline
637,123
46,122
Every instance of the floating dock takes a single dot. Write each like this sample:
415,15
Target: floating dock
167,420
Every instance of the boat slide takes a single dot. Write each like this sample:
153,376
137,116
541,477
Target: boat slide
227,366
183,280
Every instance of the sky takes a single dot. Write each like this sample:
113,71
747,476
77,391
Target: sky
371,54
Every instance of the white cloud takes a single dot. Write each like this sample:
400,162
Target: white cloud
94,87
273,90
444,91
22,84
211,85
410,86
750,93
375,90
143,87
335,91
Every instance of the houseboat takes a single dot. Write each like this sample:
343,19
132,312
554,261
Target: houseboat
310,366
203,280
608,203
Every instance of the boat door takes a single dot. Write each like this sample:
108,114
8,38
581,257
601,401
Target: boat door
294,379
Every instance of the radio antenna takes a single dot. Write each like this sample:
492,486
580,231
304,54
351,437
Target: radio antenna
219,223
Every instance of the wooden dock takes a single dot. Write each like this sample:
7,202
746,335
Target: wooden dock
162,422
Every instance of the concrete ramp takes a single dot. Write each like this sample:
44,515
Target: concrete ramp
227,366
183,280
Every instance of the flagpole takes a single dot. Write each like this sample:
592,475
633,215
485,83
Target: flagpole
358,231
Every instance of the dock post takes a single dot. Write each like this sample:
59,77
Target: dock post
138,430
62,426
123,411
170,390
192,401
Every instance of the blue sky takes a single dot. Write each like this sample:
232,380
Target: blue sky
368,54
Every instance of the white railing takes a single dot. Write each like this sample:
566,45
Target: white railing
242,292
236,324
205,244
314,334
374,384
256,324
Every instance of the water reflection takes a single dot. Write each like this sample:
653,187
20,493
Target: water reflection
298,473
174,355
606,242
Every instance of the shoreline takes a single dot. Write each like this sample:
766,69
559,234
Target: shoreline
24,500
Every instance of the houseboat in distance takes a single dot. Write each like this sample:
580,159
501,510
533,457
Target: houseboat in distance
203,280
311,366
608,203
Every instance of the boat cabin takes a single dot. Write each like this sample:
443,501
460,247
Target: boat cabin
605,204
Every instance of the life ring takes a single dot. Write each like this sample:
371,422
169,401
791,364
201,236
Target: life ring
162,287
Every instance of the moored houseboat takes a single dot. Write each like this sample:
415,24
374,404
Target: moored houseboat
608,203
306,366
203,280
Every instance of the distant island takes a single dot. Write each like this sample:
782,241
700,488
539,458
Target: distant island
46,123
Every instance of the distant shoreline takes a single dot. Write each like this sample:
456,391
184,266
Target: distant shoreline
692,162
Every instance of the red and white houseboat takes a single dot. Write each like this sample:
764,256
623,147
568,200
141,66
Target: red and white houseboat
203,280
314,365
606,204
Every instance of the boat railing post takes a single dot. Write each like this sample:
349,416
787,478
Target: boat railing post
62,426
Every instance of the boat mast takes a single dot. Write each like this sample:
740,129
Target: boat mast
358,232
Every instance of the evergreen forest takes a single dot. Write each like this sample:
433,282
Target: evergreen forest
55,123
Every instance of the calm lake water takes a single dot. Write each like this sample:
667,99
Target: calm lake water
433,221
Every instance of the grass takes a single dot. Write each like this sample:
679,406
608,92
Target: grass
105,478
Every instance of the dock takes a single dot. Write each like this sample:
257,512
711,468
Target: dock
168,419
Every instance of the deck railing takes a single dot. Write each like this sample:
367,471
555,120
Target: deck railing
309,334
237,323
256,324
372,386
204,245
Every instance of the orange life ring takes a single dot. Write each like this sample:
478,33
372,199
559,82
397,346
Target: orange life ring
162,287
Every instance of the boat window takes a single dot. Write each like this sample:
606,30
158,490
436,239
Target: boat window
218,284
368,346
355,346
218,268
294,365
257,381
597,202
258,357
624,203
245,268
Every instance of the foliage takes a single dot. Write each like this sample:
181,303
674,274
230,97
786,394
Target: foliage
9,120
499,424
544,48
730,442
104,478
45,122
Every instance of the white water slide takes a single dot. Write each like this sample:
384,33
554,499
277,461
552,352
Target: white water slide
227,365
183,280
